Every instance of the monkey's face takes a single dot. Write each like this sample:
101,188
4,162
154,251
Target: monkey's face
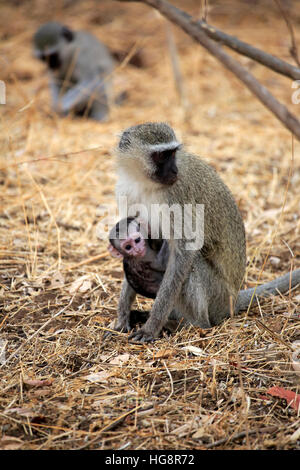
131,245
50,41
148,152
165,167
52,60
134,245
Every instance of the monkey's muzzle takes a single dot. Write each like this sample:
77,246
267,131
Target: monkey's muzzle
134,245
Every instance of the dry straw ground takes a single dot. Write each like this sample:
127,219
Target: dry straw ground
64,387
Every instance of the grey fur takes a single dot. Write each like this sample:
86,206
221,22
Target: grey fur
198,284
79,80
279,285
144,272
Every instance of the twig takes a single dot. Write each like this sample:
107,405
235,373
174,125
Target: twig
274,335
183,20
89,260
175,65
293,48
171,382
110,426
239,435
268,60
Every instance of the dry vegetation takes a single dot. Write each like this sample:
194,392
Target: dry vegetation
64,386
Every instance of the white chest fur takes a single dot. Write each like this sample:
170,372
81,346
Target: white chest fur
139,195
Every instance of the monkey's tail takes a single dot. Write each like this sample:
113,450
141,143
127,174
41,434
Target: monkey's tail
279,285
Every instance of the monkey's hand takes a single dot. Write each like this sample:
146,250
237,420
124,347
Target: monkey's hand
143,335
122,324
114,252
126,299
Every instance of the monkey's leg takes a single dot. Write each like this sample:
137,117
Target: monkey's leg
99,111
127,297
77,98
193,301
54,90
204,300
177,272
98,104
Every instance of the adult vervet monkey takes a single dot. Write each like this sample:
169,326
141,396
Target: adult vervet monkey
201,284
79,66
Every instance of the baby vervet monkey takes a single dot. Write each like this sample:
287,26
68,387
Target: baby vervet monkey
200,284
79,66
144,260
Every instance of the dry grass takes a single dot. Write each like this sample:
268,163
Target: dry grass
54,175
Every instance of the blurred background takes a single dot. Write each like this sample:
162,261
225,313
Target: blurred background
57,173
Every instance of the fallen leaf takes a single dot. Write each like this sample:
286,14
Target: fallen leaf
118,381
194,350
119,360
164,353
82,284
10,443
275,261
21,411
183,430
41,392
295,436
37,382
295,357
57,280
198,434
98,376
291,397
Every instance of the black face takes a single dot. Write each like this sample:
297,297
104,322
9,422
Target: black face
166,169
52,60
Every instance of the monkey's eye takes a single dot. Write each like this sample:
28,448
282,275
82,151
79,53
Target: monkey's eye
137,240
160,157
157,157
127,247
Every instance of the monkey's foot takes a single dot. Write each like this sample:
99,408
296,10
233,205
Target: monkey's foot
141,336
123,326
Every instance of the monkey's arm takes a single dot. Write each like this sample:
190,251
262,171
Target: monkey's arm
54,90
126,300
161,260
178,268
281,284
80,95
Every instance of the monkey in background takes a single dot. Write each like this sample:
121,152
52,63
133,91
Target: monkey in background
144,260
79,66
201,285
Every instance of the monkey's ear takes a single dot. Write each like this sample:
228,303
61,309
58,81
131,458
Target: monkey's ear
67,33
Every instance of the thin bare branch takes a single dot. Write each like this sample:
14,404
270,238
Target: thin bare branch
183,20
287,19
268,60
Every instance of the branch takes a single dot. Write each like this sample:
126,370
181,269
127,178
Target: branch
268,60
183,20
286,17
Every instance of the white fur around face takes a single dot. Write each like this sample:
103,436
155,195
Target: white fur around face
141,194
